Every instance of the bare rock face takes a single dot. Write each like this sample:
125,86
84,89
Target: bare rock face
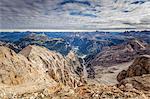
74,62
34,69
19,75
53,64
140,66
15,68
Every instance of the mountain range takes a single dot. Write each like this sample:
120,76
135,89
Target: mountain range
84,43
70,65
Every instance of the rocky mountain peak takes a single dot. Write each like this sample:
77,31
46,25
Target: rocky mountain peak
77,63
6,52
53,64
35,66
71,55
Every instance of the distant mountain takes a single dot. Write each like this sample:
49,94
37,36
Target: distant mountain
118,54
55,44
12,36
91,43
11,46
83,43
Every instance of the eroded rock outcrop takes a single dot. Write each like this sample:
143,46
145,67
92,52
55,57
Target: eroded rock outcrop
34,69
58,67
140,66
18,75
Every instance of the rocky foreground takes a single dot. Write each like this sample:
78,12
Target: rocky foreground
37,73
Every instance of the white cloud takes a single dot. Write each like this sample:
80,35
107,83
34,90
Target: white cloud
80,14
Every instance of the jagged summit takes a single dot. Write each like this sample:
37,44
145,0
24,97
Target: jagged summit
53,64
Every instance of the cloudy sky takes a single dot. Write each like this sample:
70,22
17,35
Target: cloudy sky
75,14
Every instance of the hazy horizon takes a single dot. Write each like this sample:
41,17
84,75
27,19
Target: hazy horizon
61,30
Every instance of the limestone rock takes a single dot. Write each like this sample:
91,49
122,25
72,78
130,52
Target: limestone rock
18,75
15,68
53,64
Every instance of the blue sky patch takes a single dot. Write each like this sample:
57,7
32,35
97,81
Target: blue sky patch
75,1
82,14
